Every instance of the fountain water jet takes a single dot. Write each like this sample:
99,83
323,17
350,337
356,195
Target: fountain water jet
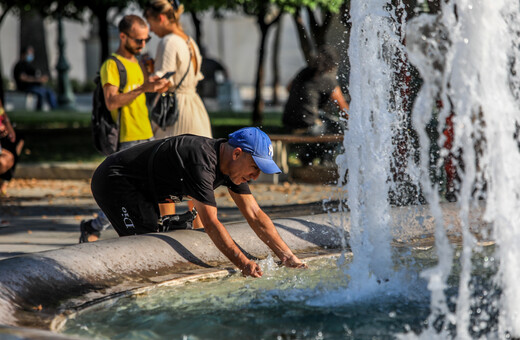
467,58
368,142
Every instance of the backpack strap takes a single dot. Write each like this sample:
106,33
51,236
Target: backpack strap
122,73
122,83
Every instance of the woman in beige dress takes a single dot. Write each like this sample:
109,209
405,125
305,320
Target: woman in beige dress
175,52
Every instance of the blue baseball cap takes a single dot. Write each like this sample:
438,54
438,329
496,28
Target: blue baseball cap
254,141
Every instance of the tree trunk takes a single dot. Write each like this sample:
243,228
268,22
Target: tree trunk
319,31
258,104
276,65
4,13
101,15
2,93
197,23
306,43
32,33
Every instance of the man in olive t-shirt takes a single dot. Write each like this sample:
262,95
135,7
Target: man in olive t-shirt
129,184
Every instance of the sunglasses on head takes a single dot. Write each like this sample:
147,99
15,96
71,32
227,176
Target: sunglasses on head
139,41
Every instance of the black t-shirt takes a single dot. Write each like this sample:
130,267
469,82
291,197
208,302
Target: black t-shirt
309,92
184,165
23,67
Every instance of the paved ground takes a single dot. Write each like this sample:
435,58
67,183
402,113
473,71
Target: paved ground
45,214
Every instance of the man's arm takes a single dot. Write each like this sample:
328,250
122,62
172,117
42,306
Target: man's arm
220,236
338,98
33,79
265,229
115,100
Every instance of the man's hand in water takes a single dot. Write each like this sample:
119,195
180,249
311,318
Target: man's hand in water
293,262
251,268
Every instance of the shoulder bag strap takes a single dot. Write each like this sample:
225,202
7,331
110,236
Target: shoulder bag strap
189,66
185,74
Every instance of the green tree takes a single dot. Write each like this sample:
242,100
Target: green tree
196,7
32,33
100,12
23,8
5,7
275,61
266,14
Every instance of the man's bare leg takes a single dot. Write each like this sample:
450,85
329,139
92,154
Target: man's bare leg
197,224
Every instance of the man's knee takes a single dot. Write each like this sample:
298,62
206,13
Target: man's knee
6,160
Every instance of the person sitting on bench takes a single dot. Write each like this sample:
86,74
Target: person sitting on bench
309,92
29,79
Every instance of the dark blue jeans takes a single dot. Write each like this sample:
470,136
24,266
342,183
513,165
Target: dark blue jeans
42,93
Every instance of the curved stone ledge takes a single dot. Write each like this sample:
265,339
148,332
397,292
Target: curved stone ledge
35,288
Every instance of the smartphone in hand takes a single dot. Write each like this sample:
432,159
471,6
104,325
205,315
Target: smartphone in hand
168,75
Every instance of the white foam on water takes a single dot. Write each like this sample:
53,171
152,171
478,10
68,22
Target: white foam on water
336,288
403,284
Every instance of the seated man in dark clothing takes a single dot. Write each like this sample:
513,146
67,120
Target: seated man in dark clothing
29,79
309,92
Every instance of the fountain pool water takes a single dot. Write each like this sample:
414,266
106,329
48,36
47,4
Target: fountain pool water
468,59
311,304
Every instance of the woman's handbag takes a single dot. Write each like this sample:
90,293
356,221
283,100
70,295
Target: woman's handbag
165,110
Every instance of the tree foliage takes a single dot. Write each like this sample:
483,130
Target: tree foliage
320,14
269,12
19,7
291,6
100,10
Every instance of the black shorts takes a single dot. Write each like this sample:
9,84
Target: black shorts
127,209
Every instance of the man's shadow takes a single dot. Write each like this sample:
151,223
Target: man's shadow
322,229
312,228
187,254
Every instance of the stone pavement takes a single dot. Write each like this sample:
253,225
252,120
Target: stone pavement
43,214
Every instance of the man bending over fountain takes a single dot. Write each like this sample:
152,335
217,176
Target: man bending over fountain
129,185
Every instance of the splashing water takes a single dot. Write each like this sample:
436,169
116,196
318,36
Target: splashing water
477,77
469,60
368,142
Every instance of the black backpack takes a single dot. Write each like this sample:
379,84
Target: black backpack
105,132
